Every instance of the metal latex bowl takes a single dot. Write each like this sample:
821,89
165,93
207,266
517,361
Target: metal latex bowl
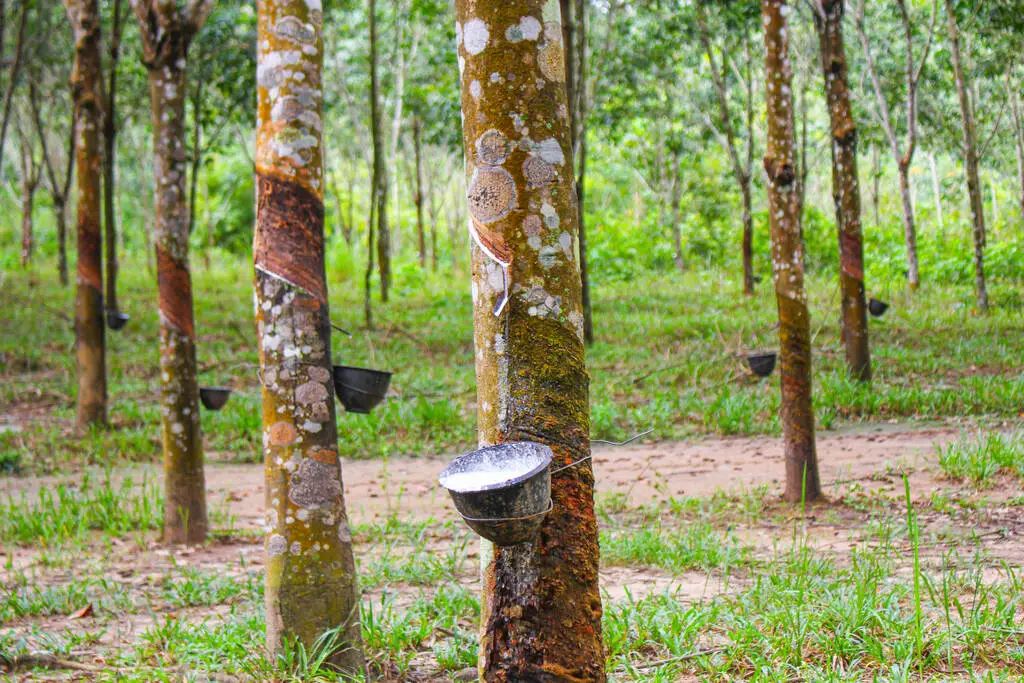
503,492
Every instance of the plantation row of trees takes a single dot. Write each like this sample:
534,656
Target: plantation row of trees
665,85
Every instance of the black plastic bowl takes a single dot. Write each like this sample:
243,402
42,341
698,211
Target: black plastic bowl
116,319
506,510
877,308
359,389
762,363
214,398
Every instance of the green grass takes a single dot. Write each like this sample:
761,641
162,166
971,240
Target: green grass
667,357
983,457
70,512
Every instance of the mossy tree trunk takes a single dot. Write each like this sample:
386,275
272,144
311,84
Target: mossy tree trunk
970,151
576,73
310,580
417,198
109,158
828,19
86,89
167,32
802,479
379,199
541,603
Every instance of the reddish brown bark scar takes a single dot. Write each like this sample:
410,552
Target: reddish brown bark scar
290,219
175,288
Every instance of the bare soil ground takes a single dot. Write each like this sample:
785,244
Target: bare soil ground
866,459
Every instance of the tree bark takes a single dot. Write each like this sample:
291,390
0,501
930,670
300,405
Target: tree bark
937,194
109,152
89,331
541,605
876,176
579,108
166,35
802,480
904,156
29,183
310,581
59,189
418,196
12,81
970,150
1018,138
741,169
828,19
380,177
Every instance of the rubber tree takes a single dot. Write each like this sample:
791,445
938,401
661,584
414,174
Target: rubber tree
379,201
417,197
741,161
1017,111
86,88
903,154
59,187
109,157
29,182
541,607
828,20
802,480
970,152
310,580
574,35
167,31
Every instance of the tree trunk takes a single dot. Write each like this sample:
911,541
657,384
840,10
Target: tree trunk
418,196
429,185
937,193
310,581
802,481
970,145
1018,138
741,172
876,176
380,177
350,224
28,191
909,230
580,125
60,217
541,605
12,80
89,330
368,274
165,52
845,188
676,197
109,152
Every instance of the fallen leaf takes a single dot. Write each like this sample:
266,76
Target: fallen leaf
82,613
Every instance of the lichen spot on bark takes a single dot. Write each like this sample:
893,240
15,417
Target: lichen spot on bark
538,173
528,28
277,545
532,226
293,29
314,484
551,218
491,194
551,56
475,36
492,148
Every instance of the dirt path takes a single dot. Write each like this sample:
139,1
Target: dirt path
643,472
